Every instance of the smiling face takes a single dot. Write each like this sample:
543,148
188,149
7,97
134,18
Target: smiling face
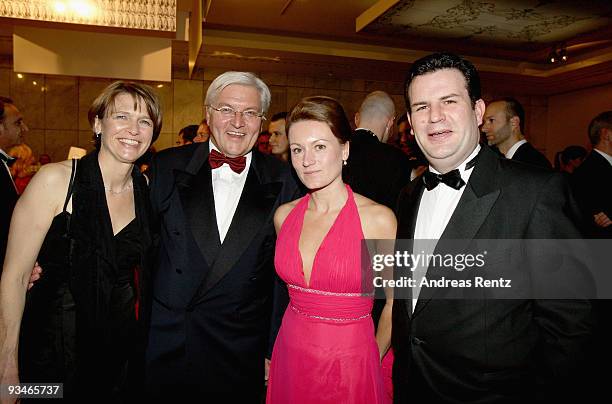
126,131
316,154
442,118
235,135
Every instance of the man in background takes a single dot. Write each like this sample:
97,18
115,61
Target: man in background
12,129
504,125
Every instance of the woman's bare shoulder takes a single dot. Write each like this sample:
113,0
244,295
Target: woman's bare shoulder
283,211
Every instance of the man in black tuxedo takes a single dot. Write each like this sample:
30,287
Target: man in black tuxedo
591,180
477,350
12,128
504,125
213,285
374,168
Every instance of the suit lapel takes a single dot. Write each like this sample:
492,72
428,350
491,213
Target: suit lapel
477,200
254,210
195,190
407,216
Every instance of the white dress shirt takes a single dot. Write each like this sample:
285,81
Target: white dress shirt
435,210
514,148
8,170
605,155
227,189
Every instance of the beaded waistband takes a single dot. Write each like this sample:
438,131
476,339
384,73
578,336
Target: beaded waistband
326,293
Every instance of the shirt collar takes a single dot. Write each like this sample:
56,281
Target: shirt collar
514,148
605,155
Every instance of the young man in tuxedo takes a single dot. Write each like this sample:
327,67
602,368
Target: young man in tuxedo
213,285
477,350
12,129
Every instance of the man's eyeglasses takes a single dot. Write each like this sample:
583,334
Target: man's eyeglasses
229,112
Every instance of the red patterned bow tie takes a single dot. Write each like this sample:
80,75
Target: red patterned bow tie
216,160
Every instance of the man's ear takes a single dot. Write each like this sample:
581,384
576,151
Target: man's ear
410,123
515,121
357,119
479,110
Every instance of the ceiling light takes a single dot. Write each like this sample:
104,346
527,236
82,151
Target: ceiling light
19,75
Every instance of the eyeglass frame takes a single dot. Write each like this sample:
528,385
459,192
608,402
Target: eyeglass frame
228,116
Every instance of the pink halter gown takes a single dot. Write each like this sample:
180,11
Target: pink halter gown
325,351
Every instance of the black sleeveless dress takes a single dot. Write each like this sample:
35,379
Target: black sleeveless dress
48,340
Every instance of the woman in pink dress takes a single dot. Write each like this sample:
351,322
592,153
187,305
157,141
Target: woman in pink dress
326,350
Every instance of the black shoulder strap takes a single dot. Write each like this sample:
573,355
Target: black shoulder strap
71,185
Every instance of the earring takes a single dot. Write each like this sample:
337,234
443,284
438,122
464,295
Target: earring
344,162
98,135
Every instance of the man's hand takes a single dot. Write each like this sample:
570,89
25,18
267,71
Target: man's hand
602,220
266,369
35,275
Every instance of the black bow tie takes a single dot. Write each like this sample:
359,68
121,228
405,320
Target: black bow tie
8,160
452,178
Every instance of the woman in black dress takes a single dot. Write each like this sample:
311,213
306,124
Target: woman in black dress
87,223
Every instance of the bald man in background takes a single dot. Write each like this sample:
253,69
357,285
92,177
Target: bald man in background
375,169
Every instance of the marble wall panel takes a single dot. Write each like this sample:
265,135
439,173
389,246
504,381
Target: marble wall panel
5,81
58,142
165,140
165,93
274,79
188,103
211,73
279,101
35,138
29,98
61,102
327,83
89,89
85,140
358,85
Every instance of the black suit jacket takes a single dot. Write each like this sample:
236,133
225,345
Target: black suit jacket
488,350
376,170
526,153
591,184
7,204
210,318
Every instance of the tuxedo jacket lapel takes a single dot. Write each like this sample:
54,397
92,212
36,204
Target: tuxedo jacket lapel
407,218
195,189
477,200
254,209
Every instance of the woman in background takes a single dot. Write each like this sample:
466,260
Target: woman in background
326,350
87,222
24,167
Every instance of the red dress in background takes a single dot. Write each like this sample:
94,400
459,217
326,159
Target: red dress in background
326,350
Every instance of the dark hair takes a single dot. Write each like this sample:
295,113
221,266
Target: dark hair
601,121
189,132
573,152
440,61
105,102
278,116
321,109
513,108
3,102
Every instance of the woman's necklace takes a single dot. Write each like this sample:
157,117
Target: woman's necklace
126,188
